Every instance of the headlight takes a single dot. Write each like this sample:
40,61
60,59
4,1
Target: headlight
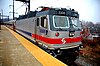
71,34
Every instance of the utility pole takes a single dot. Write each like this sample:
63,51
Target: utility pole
0,21
28,5
13,10
1,18
2,14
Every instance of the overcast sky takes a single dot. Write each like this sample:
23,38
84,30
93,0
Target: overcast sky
89,10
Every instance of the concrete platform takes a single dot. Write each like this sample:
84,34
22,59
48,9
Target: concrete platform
13,53
18,51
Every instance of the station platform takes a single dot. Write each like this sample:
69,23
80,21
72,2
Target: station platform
18,51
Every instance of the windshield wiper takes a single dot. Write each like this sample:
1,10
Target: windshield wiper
75,25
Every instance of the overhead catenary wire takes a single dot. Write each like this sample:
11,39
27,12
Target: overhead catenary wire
44,4
19,7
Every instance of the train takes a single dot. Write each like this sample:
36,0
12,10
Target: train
56,30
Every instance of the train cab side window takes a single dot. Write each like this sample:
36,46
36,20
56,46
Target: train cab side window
44,22
37,21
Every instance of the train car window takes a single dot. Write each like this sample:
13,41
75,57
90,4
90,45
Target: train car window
44,22
37,21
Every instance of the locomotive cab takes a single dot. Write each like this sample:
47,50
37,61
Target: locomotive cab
65,32
59,32
59,29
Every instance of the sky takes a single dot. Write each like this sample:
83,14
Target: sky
89,10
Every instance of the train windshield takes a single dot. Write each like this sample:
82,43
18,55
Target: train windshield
75,22
60,21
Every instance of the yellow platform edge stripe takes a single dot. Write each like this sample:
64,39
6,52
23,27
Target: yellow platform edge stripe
44,58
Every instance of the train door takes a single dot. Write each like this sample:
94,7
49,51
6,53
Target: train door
44,26
41,29
37,27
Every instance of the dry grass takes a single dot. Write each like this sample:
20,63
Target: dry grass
91,49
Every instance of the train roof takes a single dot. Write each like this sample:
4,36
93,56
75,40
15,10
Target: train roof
58,11
51,11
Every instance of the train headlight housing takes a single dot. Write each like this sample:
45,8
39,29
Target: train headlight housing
71,34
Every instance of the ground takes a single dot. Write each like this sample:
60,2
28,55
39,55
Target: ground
13,53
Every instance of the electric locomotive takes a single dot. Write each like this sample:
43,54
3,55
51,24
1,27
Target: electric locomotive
57,30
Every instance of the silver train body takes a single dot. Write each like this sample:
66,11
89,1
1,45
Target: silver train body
51,28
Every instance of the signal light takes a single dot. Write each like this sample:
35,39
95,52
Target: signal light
57,34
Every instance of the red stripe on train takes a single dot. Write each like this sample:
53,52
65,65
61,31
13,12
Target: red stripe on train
56,40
